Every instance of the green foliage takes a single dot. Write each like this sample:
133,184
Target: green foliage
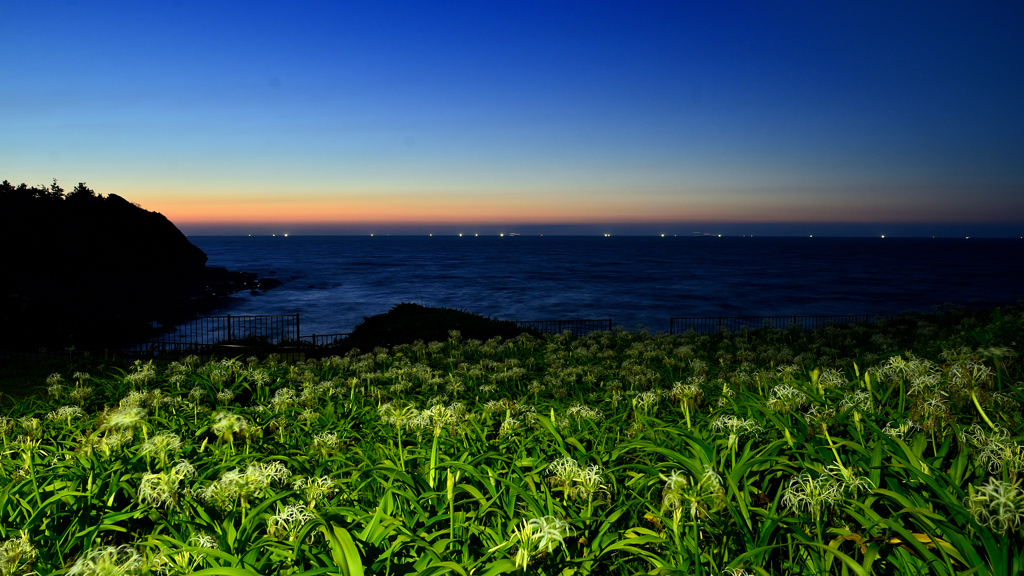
891,449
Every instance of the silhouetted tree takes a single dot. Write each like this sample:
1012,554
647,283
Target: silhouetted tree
56,192
81,193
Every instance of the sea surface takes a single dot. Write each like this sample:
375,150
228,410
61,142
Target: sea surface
333,282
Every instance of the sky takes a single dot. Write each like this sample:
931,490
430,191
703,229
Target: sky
842,118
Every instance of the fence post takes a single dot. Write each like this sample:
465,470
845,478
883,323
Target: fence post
229,328
298,334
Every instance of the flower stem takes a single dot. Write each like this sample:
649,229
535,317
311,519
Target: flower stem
977,404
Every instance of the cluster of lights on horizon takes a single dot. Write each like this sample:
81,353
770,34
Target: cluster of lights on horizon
605,235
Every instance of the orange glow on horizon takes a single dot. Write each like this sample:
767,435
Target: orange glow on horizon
488,207
426,212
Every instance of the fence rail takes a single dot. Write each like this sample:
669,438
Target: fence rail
577,327
324,339
206,332
737,323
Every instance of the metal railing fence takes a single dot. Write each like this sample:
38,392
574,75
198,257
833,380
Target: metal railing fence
577,327
205,332
737,323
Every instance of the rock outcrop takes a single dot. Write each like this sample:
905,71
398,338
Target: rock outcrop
93,271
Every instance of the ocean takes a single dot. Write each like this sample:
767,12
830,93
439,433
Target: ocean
333,282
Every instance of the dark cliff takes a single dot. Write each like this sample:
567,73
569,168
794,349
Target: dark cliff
91,271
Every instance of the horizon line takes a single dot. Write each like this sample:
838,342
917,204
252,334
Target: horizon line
599,235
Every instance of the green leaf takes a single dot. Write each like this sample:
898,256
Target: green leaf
499,567
343,550
548,425
225,571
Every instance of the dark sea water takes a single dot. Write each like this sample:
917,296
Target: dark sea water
334,281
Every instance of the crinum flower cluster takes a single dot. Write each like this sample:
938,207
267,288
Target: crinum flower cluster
123,418
440,417
142,374
577,481
785,398
288,520
819,417
508,426
646,401
315,489
736,427
400,415
226,425
308,416
196,394
932,411
109,442
858,401
79,394
537,537
283,399
313,393
922,375
579,413
239,485
31,426
160,489
326,442
109,560
830,378
161,446
689,393
701,497
225,396
997,504
995,450
65,413
900,429
16,555
819,494
183,561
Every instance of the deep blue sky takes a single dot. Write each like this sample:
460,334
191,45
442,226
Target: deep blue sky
899,118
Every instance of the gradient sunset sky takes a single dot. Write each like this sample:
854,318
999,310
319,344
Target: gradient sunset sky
545,117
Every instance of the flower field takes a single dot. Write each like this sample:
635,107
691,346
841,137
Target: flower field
862,449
